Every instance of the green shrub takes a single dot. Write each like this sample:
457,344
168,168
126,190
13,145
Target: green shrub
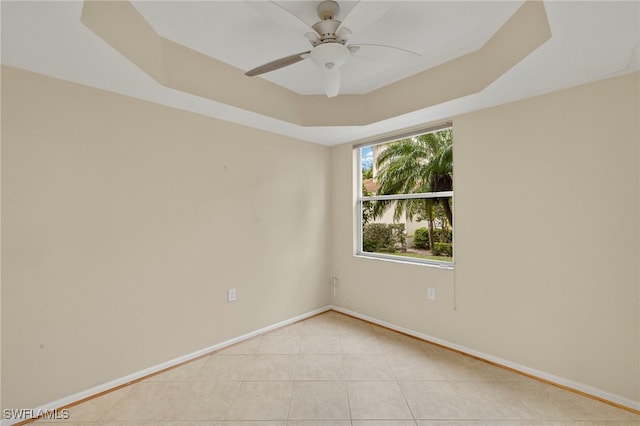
399,236
383,237
443,235
369,245
376,237
421,238
442,249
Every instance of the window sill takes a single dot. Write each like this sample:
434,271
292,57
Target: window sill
405,260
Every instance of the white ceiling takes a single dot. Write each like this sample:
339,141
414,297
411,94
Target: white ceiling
590,41
239,35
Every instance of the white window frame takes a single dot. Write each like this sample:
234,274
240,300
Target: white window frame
425,195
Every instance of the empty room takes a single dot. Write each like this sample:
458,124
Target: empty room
306,213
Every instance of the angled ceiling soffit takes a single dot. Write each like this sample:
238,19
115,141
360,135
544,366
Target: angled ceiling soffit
181,68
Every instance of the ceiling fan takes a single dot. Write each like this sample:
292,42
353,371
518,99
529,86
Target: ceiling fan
328,37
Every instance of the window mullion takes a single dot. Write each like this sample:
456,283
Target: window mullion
442,194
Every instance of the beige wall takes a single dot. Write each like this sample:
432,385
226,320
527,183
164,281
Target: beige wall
124,223
546,245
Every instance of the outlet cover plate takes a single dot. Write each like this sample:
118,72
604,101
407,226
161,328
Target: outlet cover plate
431,293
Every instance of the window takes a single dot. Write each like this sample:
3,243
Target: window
405,199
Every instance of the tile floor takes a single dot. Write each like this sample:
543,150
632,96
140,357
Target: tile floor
335,370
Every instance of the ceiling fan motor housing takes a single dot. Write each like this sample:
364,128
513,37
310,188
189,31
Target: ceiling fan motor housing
327,27
326,30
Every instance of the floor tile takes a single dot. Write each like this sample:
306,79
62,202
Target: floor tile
377,400
319,367
381,331
264,390
548,402
353,344
91,410
65,422
460,367
348,326
313,327
145,401
414,367
224,367
555,423
601,411
259,409
401,344
367,367
433,349
504,375
272,367
203,401
492,400
279,344
435,400
261,401
319,401
319,344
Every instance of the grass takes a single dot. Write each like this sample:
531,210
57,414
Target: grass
420,256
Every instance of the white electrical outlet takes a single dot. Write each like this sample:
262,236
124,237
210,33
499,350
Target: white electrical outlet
431,293
231,295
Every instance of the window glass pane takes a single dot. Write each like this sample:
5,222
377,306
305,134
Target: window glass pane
423,163
426,233
419,228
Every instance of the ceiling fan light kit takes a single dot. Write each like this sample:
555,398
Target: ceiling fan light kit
330,56
328,38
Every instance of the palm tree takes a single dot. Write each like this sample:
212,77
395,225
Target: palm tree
420,164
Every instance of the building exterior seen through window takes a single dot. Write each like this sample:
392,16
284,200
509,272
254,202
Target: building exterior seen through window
406,199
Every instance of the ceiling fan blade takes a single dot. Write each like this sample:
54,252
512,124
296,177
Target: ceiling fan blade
331,81
383,45
281,16
364,14
277,64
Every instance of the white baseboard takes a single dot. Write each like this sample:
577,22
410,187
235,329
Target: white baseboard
521,368
56,405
